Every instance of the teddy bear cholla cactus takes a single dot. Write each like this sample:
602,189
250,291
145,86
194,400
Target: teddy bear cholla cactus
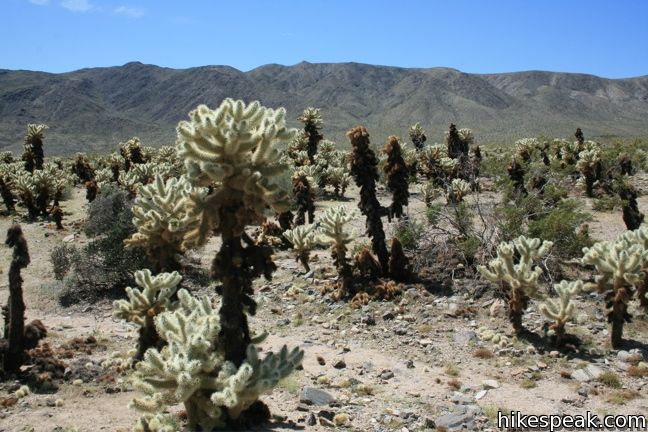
160,216
640,237
193,369
457,190
518,281
619,264
417,135
235,148
332,234
397,177
312,119
589,161
145,303
302,238
561,309
33,155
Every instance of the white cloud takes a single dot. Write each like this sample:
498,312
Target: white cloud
76,5
40,2
129,11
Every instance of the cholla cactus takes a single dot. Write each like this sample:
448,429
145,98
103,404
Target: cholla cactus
27,192
589,162
131,152
640,237
561,309
430,192
365,174
429,164
160,216
619,264
193,369
103,176
130,182
417,135
302,239
397,177
516,172
144,304
339,178
456,143
82,168
312,120
525,147
33,156
332,234
518,281
234,150
6,186
457,190
304,197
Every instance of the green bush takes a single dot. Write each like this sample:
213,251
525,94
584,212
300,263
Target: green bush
607,203
433,214
562,225
103,267
408,233
468,248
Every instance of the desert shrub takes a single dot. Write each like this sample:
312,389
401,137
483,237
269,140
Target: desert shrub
408,232
563,226
103,267
468,248
62,259
461,219
607,203
433,214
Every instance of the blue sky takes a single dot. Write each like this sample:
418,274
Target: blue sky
606,38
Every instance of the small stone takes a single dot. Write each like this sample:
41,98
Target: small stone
311,420
388,316
498,308
68,238
386,374
481,394
321,360
409,364
554,354
326,422
314,396
340,364
425,342
581,375
542,365
490,384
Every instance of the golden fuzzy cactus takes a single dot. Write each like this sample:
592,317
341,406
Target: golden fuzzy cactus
332,234
160,217
145,303
34,156
234,146
619,264
561,309
302,237
518,280
457,190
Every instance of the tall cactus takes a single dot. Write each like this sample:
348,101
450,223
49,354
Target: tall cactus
417,136
397,177
312,119
14,351
234,150
302,238
619,265
365,174
518,281
332,234
33,155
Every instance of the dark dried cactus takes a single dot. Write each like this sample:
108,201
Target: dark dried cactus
13,355
417,135
305,199
632,217
57,216
91,190
456,146
312,124
625,164
580,138
397,176
365,174
516,173
7,196
82,168
399,266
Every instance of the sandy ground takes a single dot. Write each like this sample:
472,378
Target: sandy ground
390,365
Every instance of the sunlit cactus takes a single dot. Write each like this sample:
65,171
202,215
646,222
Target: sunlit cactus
27,192
619,264
332,233
430,192
193,369
234,150
131,153
525,148
33,155
518,279
312,119
153,297
561,309
588,161
339,179
417,136
457,190
303,240
160,217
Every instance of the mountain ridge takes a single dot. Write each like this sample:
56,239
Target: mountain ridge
93,109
